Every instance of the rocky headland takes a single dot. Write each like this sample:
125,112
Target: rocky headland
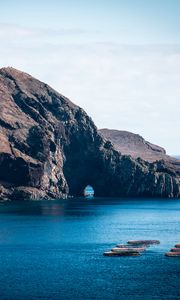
132,144
50,148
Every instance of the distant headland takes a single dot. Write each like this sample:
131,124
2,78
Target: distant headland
50,148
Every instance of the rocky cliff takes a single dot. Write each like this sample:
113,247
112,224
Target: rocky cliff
50,148
129,143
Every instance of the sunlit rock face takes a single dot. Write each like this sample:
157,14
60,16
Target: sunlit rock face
50,148
132,144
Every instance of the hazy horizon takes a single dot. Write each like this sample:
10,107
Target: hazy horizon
118,60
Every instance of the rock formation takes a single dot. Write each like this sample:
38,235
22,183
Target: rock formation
129,143
50,148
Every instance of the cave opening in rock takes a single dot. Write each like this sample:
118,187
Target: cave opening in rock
89,191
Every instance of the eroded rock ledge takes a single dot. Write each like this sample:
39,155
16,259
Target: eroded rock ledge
50,148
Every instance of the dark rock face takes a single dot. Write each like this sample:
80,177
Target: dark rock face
128,143
50,148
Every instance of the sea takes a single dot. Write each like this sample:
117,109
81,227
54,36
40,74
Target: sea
54,249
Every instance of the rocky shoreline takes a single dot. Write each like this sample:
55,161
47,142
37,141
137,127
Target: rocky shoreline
51,149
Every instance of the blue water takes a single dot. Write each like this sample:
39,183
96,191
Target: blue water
54,249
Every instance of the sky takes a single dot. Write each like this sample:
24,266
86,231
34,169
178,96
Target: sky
117,59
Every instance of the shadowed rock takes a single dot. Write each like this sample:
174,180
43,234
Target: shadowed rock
50,148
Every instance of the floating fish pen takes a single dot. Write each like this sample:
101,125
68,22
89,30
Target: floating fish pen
133,248
89,191
174,252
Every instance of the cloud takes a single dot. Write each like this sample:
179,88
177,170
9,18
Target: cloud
130,87
21,31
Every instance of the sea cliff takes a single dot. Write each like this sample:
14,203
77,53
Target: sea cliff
50,148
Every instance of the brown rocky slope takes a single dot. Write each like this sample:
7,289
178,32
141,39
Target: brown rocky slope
50,148
129,143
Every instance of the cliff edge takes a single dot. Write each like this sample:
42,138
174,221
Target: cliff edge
50,148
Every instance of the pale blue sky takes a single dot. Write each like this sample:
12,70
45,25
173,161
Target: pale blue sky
119,60
139,21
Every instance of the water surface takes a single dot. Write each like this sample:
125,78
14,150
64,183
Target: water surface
53,249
